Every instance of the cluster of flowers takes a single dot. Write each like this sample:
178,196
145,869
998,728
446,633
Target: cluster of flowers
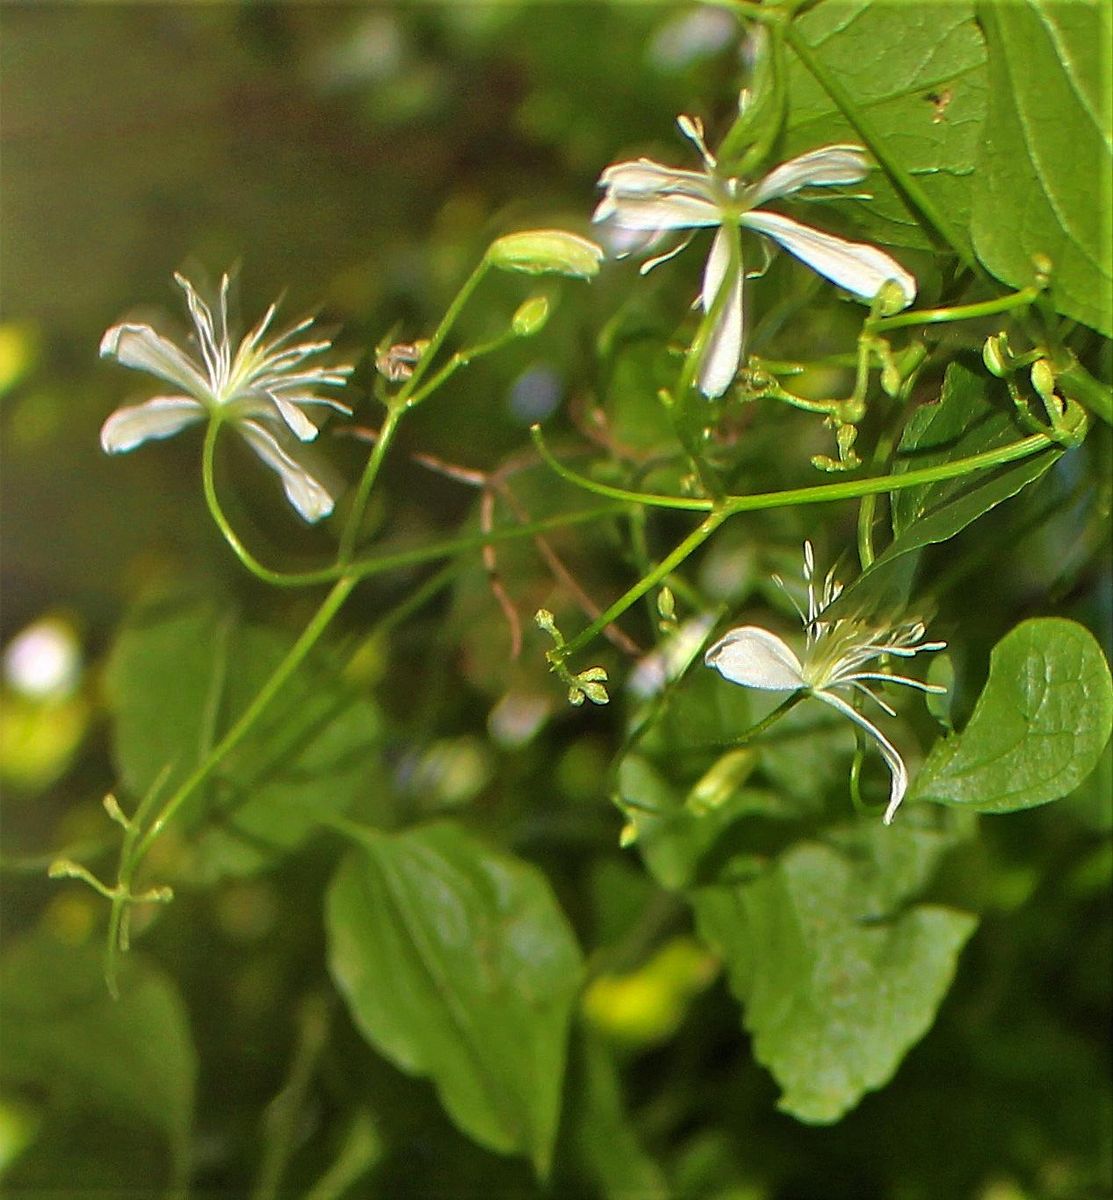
272,388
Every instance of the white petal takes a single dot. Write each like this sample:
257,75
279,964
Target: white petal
139,347
672,211
646,177
161,417
296,421
308,495
723,352
818,168
898,772
756,658
856,266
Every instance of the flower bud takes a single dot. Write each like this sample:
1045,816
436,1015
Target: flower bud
996,355
531,316
544,251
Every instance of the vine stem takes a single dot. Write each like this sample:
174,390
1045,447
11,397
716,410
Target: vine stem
822,493
960,312
665,567
399,404
731,505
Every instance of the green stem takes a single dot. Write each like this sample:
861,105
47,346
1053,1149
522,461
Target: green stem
460,359
403,400
367,481
216,511
819,494
960,312
665,567
263,698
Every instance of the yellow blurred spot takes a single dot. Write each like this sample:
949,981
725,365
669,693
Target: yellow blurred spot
71,915
38,739
19,349
18,1126
648,1005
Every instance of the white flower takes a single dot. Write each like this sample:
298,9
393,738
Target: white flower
263,388
644,200
834,657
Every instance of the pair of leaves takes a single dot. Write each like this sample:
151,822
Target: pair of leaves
179,676
991,123
458,964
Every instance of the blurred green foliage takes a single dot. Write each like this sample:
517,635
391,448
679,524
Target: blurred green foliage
362,158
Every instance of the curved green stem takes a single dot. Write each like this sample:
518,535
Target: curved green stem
259,570
823,493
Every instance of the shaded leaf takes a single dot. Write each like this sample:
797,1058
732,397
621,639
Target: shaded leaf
1047,148
834,995
180,675
457,963
65,1035
1039,726
963,423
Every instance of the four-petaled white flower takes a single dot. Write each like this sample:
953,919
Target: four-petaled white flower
835,654
645,200
263,388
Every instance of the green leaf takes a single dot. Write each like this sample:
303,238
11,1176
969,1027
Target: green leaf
66,1036
962,423
1046,157
179,676
1039,726
457,963
908,81
835,994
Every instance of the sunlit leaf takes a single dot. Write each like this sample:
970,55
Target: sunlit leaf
1038,729
909,82
1044,164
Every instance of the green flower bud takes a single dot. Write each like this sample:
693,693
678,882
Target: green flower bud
1043,379
545,251
996,356
891,299
531,316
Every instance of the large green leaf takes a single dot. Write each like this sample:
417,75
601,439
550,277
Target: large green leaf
180,675
1046,158
908,81
1039,726
457,963
65,1036
836,988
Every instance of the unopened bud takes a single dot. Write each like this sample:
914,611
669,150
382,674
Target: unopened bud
531,316
1043,379
547,251
892,298
996,355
